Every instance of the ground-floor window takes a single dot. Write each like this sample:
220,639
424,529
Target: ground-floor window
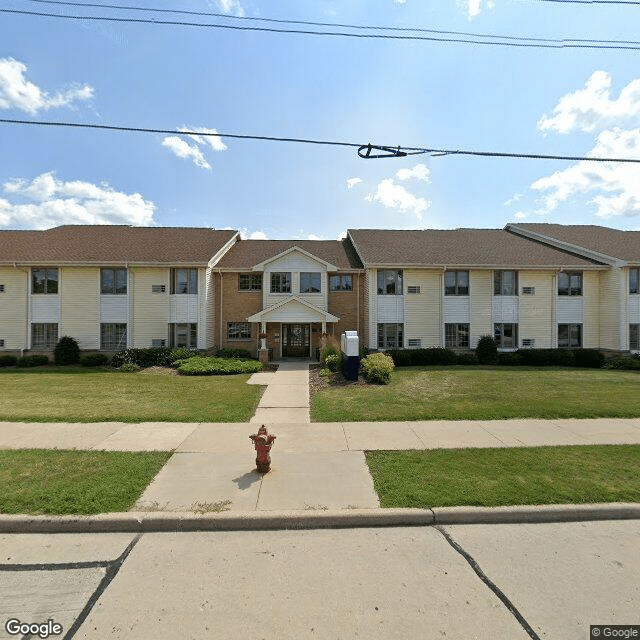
113,336
569,336
506,335
238,331
183,335
456,335
634,342
390,335
44,335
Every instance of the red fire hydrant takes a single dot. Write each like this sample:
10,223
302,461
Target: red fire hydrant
263,443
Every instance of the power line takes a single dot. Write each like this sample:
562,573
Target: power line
509,41
394,151
632,2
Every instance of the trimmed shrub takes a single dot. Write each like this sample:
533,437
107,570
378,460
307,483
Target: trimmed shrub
182,354
8,361
93,360
364,352
214,366
228,352
129,367
508,359
333,362
487,350
422,357
588,358
400,357
32,361
377,367
623,363
467,359
66,351
152,357
546,357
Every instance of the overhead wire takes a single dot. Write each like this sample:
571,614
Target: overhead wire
437,36
400,150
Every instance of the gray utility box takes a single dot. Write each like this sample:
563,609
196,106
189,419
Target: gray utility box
350,355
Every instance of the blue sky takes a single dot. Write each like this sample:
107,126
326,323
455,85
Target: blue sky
432,94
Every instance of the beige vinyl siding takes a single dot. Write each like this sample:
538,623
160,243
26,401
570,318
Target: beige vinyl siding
536,311
372,295
591,310
422,310
612,288
148,312
80,305
480,293
13,307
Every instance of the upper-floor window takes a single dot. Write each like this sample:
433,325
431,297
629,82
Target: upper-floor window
310,282
456,283
341,283
505,283
390,282
113,281
281,282
633,280
184,281
44,281
570,283
250,282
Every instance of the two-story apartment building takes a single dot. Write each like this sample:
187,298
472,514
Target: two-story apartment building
112,287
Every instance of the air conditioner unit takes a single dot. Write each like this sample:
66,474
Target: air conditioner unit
416,343
158,343
528,342
528,291
1,288
413,289
158,288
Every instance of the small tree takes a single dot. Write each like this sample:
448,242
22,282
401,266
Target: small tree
67,351
487,350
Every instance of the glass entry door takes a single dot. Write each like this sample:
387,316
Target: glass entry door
296,339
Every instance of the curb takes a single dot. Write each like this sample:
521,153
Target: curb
149,522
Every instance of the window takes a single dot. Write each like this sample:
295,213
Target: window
456,335
634,342
183,335
250,282
505,283
569,336
506,335
310,282
570,283
281,282
341,283
633,280
113,282
184,281
44,281
456,283
44,336
239,331
390,335
389,282
113,337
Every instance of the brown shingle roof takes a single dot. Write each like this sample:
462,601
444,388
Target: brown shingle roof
624,245
106,244
245,254
464,247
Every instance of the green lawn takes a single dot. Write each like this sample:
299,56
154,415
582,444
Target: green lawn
74,482
69,394
497,477
484,393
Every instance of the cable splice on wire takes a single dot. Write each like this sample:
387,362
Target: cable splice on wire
392,151
506,41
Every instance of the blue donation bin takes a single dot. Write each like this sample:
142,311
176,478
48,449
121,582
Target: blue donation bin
350,355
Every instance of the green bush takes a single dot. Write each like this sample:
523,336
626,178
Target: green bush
508,359
182,354
66,352
588,358
487,350
364,352
377,367
32,361
624,362
422,357
214,366
228,352
552,357
8,361
326,351
129,367
151,357
93,360
467,359
333,362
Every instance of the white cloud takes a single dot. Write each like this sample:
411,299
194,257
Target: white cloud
419,172
181,148
474,7
214,141
254,235
400,1
520,215
395,196
592,108
516,198
231,6
342,235
352,182
16,92
47,202
616,185
313,236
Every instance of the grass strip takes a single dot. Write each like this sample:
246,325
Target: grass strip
59,482
500,477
